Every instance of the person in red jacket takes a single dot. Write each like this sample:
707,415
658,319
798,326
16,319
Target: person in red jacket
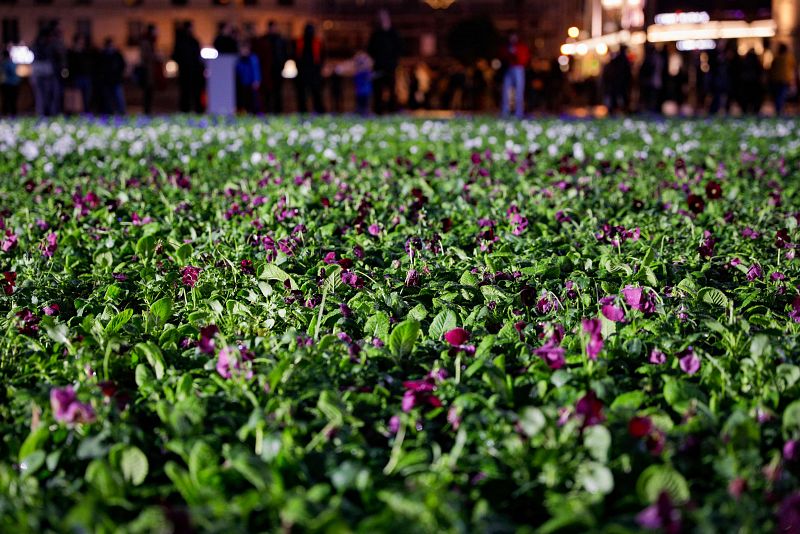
308,54
516,56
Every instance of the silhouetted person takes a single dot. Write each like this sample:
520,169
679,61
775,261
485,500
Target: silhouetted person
308,51
384,48
111,67
248,80
190,69
719,69
272,55
9,90
782,76
617,79
751,83
148,67
362,79
225,42
81,62
46,71
651,80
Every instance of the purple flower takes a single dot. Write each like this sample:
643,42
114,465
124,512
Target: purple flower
639,299
791,450
794,313
613,313
689,361
593,327
552,354
394,424
351,279
67,409
754,272
206,343
50,245
590,409
420,392
189,275
374,230
456,337
789,514
234,361
412,278
657,357
9,241
661,515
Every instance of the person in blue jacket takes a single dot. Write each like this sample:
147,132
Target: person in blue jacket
248,80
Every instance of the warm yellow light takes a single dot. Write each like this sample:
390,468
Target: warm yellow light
170,69
568,49
601,49
573,32
582,49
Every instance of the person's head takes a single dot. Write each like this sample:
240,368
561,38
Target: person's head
783,49
187,26
272,26
244,49
151,32
513,38
384,20
108,43
6,54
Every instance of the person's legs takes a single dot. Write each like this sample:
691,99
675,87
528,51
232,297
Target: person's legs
781,91
316,93
277,93
184,97
378,85
119,99
519,91
302,106
504,100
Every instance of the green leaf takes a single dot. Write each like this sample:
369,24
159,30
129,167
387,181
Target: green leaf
273,272
595,478
628,401
532,421
403,337
162,309
658,478
377,326
444,321
146,246
713,296
58,332
118,321
791,420
152,353
134,465
597,440
183,253
759,345
34,441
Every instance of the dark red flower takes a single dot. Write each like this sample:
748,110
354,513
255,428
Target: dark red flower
639,427
782,239
8,282
696,203
590,408
713,189
189,275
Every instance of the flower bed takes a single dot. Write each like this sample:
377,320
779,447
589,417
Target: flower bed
442,326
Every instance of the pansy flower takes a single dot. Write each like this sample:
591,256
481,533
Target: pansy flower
593,327
189,275
8,282
689,361
235,361
67,409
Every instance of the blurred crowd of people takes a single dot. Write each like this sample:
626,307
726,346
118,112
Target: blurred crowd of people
83,78
717,78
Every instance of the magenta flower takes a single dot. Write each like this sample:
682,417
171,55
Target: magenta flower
552,354
657,357
420,392
234,361
613,313
794,313
374,230
639,299
50,245
189,275
689,361
791,450
754,272
352,279
67,409
590,409
51,309
789,514
456,337
206,343
593,327
661,515
9,241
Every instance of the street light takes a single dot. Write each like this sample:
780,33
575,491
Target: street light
573,32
